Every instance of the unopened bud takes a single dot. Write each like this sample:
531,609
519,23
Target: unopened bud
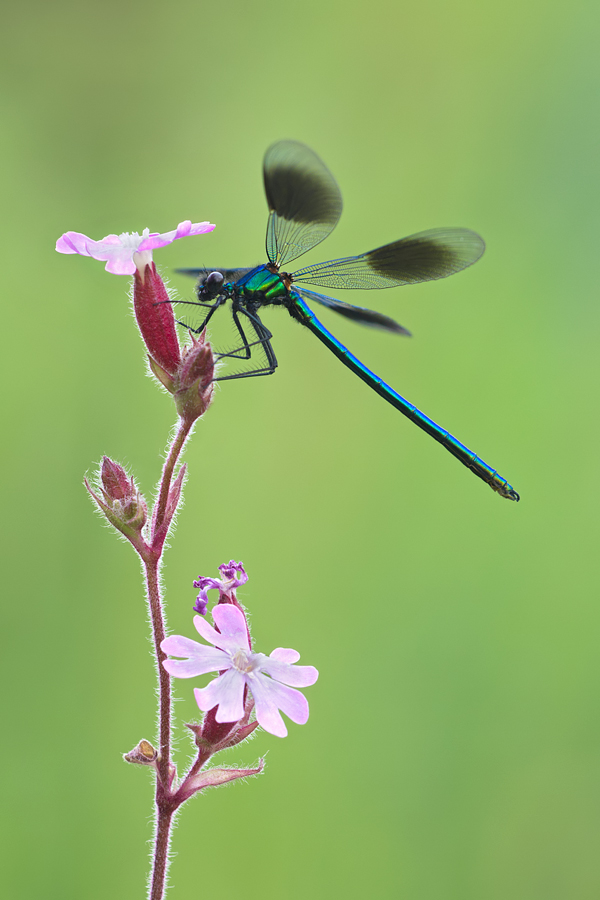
115,482
122,496
121,502
186,374
154,315
194,380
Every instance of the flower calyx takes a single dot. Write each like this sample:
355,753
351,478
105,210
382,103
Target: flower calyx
194,381
187,373
212,736
156,321
143,754
121,501
191,379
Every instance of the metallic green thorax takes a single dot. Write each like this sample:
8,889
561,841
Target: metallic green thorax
260,286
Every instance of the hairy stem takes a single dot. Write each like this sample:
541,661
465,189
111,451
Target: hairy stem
164,679
175,449
152,561
161,854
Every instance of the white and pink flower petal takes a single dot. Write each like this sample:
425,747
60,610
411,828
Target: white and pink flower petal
298,676
201,659
228,642
184,229
118,251
226,692
231,622
270,696
285,655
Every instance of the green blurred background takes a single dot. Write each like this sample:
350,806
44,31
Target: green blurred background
453,747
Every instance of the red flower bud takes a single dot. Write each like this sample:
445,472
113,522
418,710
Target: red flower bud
121,502
155,318
116,484
187,374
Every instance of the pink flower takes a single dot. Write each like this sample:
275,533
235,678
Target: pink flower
126,252
266,677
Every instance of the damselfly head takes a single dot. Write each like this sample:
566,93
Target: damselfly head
214,282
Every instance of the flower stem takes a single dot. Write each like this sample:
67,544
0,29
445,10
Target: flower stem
163,812
151,555
175,449
161,854
164,679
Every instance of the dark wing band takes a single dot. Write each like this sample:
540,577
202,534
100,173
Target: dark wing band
420,257
304,200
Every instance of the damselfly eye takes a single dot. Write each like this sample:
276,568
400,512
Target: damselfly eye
214,281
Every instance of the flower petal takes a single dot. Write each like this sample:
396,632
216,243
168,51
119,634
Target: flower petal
285,654
270,696
229,644
202,659
298,676
74,242
184,229
112,250
119,263
226,692
230,621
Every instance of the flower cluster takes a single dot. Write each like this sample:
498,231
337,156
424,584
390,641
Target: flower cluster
270,680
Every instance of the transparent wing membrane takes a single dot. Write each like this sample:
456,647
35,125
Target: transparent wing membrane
420,257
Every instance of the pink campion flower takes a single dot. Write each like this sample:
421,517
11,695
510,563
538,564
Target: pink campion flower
125,252
266,677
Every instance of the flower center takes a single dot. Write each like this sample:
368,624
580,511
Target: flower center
244,662
132,241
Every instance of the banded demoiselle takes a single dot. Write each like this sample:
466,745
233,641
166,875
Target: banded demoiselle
305,205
